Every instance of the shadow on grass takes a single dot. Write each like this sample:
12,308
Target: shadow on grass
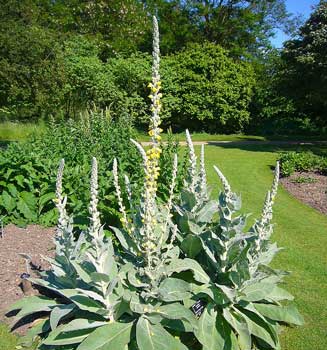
318,149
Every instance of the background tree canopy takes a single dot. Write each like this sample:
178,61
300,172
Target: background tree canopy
220,72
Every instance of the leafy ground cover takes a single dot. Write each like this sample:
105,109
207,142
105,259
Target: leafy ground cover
299,229
302,161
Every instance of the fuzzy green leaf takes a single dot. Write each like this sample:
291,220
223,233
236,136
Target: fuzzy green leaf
174,289
288,314
155,337
207,333
180,265
111,336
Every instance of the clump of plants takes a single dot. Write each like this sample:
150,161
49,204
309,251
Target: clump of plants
302,161
185,273
28,175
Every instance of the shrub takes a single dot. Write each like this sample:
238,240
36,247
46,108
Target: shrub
206,90
302,161
139,296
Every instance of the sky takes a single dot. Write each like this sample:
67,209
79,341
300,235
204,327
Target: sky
302,7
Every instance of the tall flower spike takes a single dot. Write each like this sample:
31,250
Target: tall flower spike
223,180
93,208
122,208
172,186
155,87
143,154
60,200
274,186
129,190
203,175
263,226
192,161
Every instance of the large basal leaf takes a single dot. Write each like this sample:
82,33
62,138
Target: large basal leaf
58,313
191,245
260,328
83,302
174,289
288,314
177,311
277,294
114,336
155,337
8,202
73,332
238,323
207,333
30,305
180,265
27,205
257,291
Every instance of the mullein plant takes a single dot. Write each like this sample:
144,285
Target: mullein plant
242,301
136,299
188,252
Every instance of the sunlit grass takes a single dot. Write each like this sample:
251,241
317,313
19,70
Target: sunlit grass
10,131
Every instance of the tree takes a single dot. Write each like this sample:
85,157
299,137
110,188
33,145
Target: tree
305,67
243,27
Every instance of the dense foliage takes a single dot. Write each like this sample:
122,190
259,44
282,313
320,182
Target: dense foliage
302,161
207,90
59,57
305,67
27,175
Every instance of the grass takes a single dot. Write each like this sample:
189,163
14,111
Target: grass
202,136
8,341
300,229
10,131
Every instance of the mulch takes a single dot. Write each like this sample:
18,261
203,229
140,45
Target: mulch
312,193
33,241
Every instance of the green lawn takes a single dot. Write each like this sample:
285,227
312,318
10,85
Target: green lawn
10,131
202,136
302,231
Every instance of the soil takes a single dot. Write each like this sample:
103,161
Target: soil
312,193
33,241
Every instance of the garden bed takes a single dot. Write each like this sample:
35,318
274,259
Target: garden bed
309,187
34,241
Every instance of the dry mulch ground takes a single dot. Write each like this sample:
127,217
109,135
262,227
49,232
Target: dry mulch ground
312,193
32,240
